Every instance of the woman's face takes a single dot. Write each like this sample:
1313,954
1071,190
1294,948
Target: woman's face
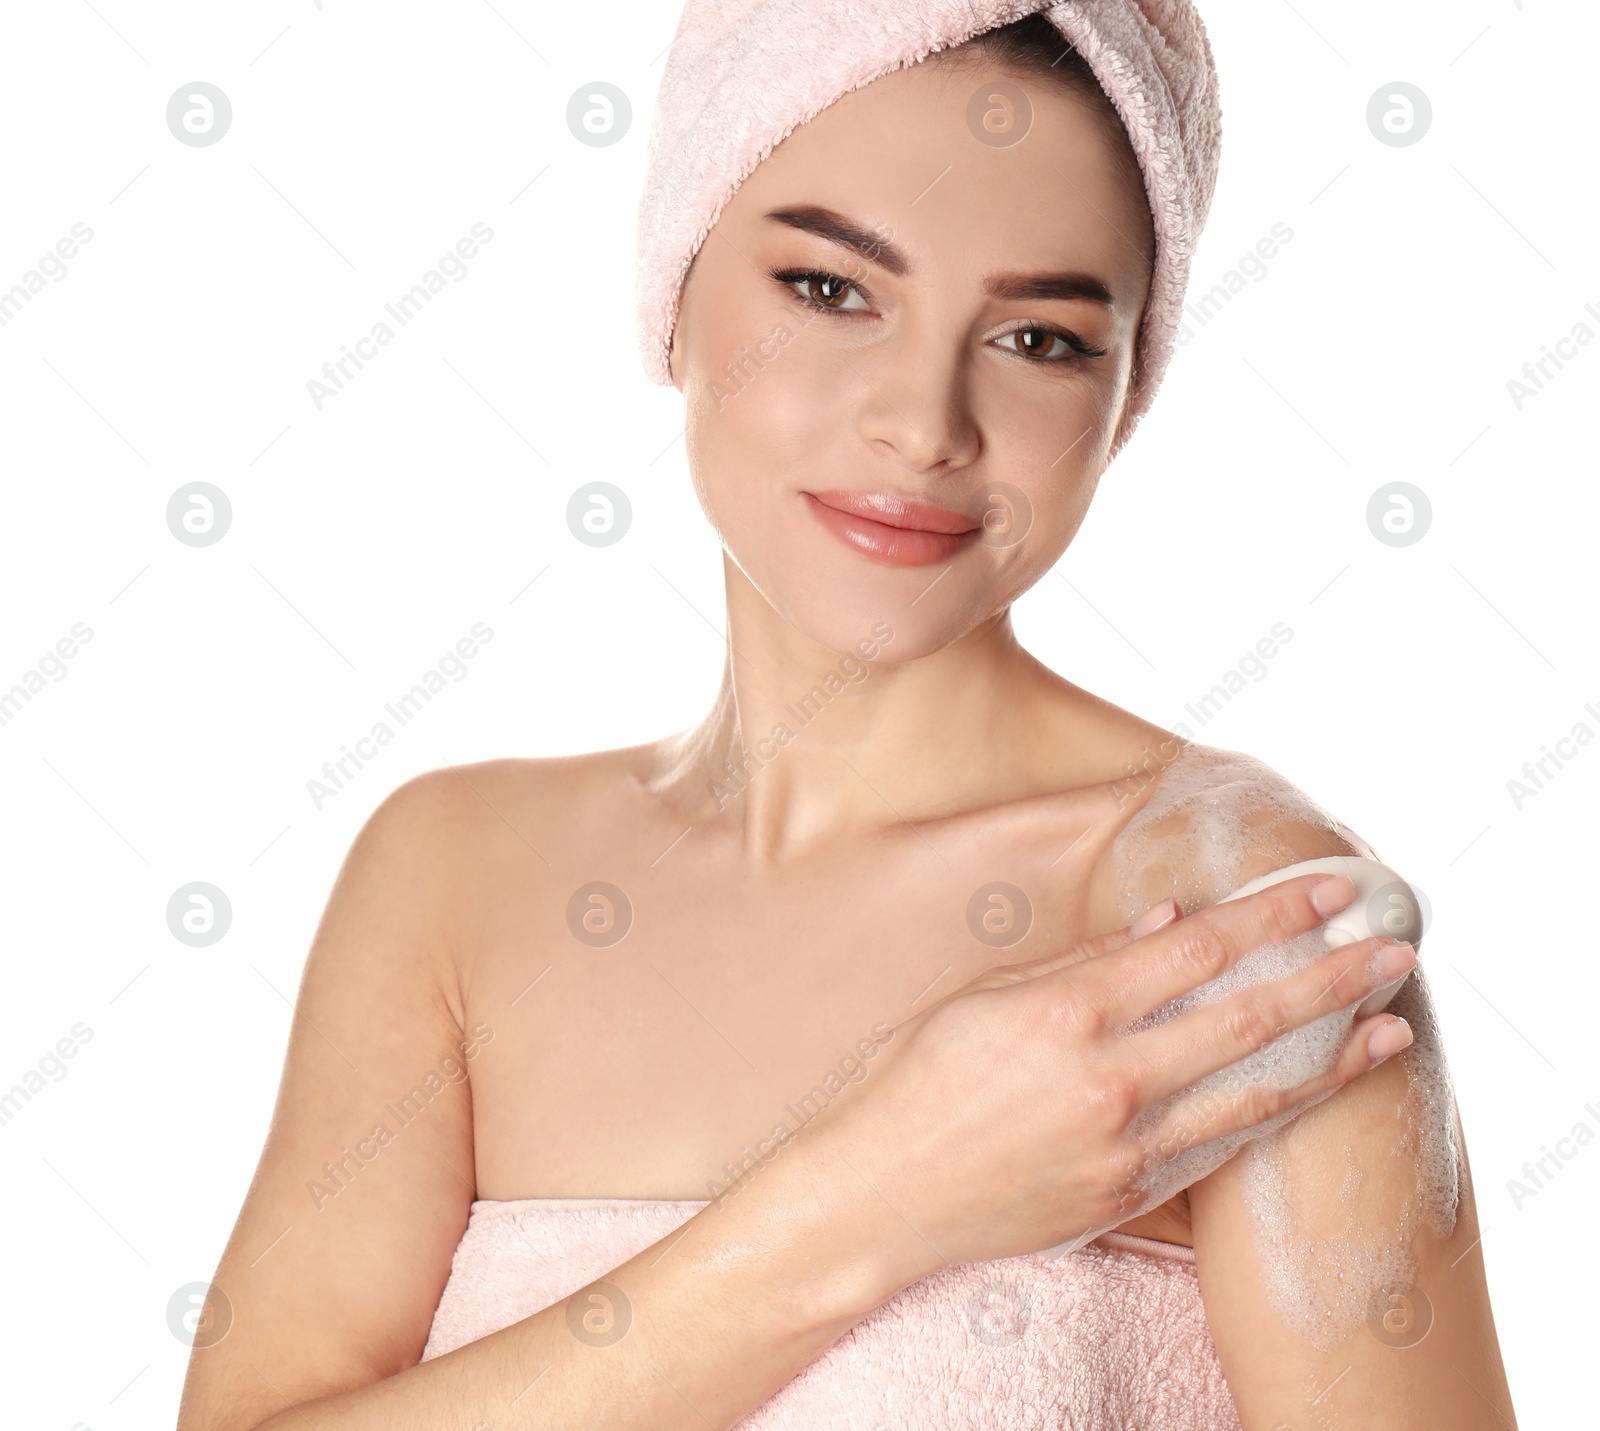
912,434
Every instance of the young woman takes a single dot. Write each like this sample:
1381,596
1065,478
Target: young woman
775,1061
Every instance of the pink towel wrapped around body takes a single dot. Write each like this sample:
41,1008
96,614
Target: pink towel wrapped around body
1109,1338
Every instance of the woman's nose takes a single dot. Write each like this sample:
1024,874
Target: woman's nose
914,403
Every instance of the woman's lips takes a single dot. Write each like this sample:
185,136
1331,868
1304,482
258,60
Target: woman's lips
890,529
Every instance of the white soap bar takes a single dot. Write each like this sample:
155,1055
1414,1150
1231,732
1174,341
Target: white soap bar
1384,904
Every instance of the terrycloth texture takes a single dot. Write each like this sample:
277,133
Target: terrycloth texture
742,74
1109,1338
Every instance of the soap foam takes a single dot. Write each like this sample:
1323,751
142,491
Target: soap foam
1320,1280
1213,814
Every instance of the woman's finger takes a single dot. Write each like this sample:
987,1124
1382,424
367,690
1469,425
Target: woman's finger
1217,1112
1203,1040
1189,952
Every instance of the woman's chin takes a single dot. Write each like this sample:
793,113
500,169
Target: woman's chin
843,601
877,632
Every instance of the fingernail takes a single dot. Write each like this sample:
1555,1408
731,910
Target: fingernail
1332,894
1158,916
1392,959
1388,1039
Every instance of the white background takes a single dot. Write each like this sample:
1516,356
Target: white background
369,536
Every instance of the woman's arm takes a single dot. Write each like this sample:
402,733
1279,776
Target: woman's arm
1353,1238
343,1245
1339,1294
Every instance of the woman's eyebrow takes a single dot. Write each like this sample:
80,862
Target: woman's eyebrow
836,228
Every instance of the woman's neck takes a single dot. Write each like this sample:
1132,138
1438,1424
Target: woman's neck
806,744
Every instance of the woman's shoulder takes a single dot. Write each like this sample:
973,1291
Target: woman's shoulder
552,777
520,797
1207,820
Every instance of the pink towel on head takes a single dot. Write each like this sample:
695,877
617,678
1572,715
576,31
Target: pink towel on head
1109,1338
743,74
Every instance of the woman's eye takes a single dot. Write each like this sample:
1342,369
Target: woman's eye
825,290
1039,343
820,289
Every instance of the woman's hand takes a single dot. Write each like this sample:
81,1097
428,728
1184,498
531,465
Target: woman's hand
1011,1121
